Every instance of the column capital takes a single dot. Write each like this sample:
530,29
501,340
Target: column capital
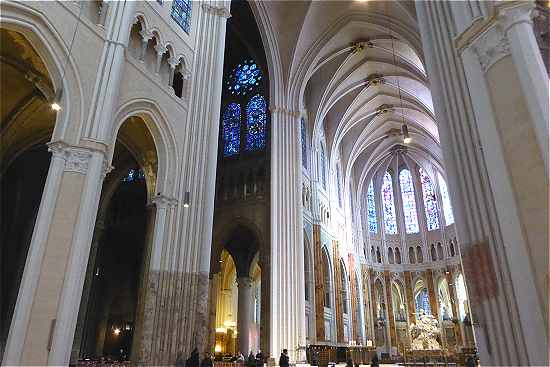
219,11
491,46
145,35
519,12
244,282
76,157
164,201
160,49
173,62
285,111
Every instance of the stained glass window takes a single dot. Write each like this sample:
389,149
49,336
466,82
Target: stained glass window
231,129
338,186
447,207
134,175
181,13
304,142
409,204
430,205
323,169
371,209
245,78
390,222
255,123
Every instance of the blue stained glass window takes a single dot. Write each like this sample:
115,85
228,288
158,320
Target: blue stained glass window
231,129
245,78
304,142
409,204
422,302
255,123
390,221
323,168
430,205
447,207
181,13
338,186
134,175
371,209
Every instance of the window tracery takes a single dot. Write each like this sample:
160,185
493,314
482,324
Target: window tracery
255,123
409,204
447,207
244,78
371,209
181,13
231,129
430,205
390,221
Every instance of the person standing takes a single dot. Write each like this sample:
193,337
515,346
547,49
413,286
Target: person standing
180,362
207,361
283,359
259,359
375,362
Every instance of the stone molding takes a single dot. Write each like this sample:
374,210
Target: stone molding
491,46
218,11
77,158
163,201
285,111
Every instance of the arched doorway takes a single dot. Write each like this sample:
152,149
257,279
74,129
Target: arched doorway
111,310
238,294
26,125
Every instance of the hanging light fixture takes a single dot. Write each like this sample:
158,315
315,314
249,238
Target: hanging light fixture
56,103
404,128
186,200
405,132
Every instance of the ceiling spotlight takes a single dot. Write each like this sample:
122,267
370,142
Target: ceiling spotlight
405,132
56,103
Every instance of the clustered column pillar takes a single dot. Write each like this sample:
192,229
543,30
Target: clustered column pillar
491,102
287,314
244,285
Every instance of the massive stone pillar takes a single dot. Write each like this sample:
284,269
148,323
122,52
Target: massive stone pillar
244,284
491,102
287,314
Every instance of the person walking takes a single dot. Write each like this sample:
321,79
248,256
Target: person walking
251,361
283,359
193,360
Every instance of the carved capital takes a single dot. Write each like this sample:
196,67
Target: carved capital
522,12
77,158
491,46
145,36
285,111
162,201
218,11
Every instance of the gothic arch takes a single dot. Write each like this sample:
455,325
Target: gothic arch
163,136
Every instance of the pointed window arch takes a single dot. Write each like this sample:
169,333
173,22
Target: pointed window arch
390,222
409,203
447,207
430,205
371,209
256,118
231,129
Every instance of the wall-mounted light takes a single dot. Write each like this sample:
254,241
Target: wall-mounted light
186,199
405,132
116,331
56,103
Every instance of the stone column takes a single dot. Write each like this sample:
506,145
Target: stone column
145,38
287,316
492,139
37,249
205,106
160,51
244,284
